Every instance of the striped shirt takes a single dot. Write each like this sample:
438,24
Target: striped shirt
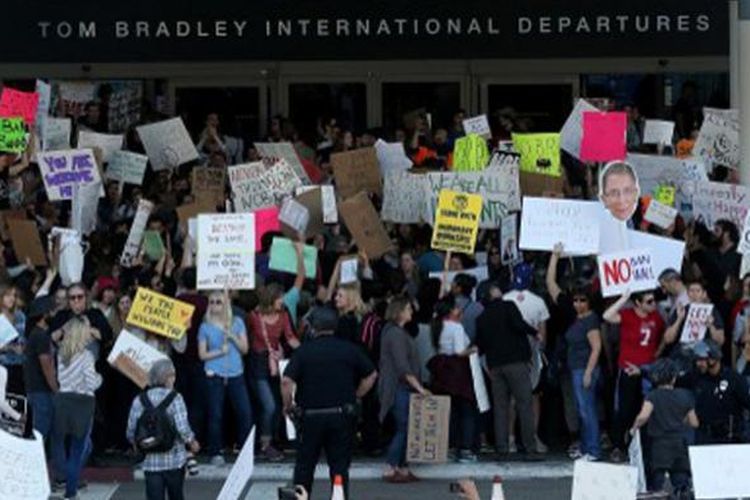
79,375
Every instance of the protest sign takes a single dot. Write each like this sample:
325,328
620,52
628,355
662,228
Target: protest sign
356,171
17,104
12,135
502,157
429,425
208,185
548,221
56,134
365,225
713,201
7,331
127,167
74,96
275,151
744,265
509,240
481,273
141,355
470,154
665,195
456,222
294,215
478,125
167,143
480,388
744,246
572,131
603,481
604,136
391,157
254,186
44,91
629,270
124,107
349,269
26,243
497,187
133,243
159,314
541,185
70,260
23,468
696,323
284,257
17,403
635,456
404,198
720,471
660,171
84,207
153,246
62,170
540,153
241,472
666,253
719,138
658,132
312,201
107,143
328,200
266,221
659,214
226,255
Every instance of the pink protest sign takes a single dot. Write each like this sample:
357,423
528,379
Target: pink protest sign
14,103
604,136
266,220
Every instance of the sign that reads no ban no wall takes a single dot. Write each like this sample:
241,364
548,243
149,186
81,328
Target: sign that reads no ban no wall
631,270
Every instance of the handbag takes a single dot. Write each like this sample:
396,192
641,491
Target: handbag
274,355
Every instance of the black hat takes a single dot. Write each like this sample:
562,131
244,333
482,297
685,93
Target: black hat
323,319
41,306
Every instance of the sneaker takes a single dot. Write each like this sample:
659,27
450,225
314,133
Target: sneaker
575,454
589,458
467,457
541,447
58,485
217,461
512,445
616,456
272,454
575,447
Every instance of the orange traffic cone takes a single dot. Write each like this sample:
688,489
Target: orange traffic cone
338,488
497,489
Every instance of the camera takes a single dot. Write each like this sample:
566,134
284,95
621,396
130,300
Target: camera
287,493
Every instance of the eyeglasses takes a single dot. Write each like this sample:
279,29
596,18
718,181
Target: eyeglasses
621,193
76,297
215,302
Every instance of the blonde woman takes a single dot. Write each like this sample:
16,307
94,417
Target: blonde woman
74,403
351,309
11,354
222,341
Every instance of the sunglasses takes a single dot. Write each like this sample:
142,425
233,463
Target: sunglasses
76,297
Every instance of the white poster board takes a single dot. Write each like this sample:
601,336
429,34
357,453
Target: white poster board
665,252
84,207
226,251
56,134
629,270
548,221
572,131
328,197
254,186
283,151
167,143
62,170
713,201
137,350
133,243
602,481
720,471
349,269
658,132
23,468
295,215
242,471
7,331
694,328
478,125
480,389
404,198
391,157
127,167
660,214
654,171
635,456
107,143
719,138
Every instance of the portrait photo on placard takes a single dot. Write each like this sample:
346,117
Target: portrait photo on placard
619,189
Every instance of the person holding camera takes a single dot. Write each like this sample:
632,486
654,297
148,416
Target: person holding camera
325,377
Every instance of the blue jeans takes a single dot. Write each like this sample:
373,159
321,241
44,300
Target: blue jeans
43,414
587,414
76,455
218,388
396,455
268,407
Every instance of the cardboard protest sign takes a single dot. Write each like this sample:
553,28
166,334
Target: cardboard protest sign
720,471
541,185
478,125
498,188
349,268
470,154
658,132
23,468
365,225
744,246
572,131
226,255
666,253
160,314
133,243
540,153
509,240
665,195
312,201
713,201
404,198
107,143
392,157
357,171
548,221
153,246
141,357
127,167
266,221
603,481
241,472
328,200
604,136
167,143
254,186
696,323
8,332
283,151
62,170
284,257
629,270
17,104
208,185
12,135
56,134
456,222
295,216
26,243
719,138
660,214
429,426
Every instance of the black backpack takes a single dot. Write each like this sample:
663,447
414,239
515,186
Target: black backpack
155,430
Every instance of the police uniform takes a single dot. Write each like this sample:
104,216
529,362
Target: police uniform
327,372
719,401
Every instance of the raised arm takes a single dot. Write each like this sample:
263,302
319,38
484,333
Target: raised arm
612,314
552,287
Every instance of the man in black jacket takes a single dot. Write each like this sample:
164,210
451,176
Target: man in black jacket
502,335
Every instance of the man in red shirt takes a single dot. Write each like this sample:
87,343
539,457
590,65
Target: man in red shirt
641,332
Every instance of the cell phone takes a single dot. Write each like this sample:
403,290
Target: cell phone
455,488
287,493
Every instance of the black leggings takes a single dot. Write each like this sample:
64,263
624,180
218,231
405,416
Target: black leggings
165,481
629,401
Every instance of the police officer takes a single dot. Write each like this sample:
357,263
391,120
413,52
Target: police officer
720,396
325,377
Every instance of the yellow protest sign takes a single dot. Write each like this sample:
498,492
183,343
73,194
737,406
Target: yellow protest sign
665,195
540,153
456,221
160,314
470,154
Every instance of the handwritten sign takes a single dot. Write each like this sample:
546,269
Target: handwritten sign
470,154
602,481
696,323
713,201
628,270
254,186
660,214
719,138
478,125
548,221
295,215
56,134
655,171
540,153
744,246
275,151
718,471
391,157
14,103
284,257
124,107
572,131
167,143
604,136
666,253
127,167
226,256
456,222
349,269
160,314
208,185
61,170
404,197
658,132
357,171
23,468
665,195
133,243
12,135
141,354
428,429
107,143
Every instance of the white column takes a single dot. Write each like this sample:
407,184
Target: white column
744,90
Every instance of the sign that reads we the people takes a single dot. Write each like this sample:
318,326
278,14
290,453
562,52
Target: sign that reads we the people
457,222
631,270
160,314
